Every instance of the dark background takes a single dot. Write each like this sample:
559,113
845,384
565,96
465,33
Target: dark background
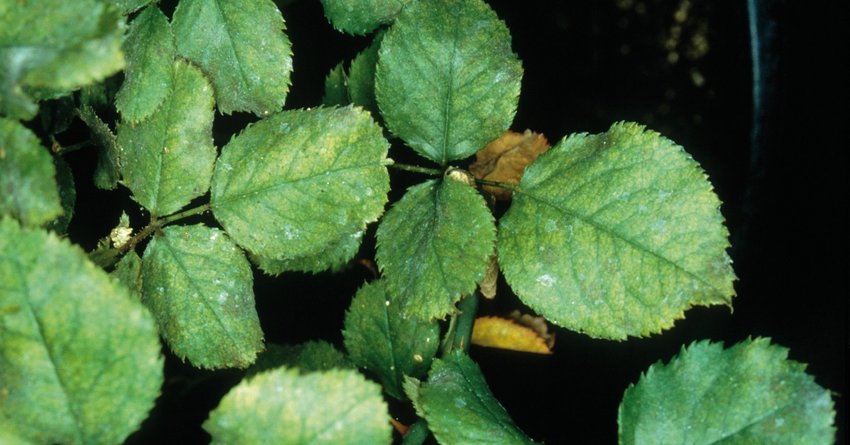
686,74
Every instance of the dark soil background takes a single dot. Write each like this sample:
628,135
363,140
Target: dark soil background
683,68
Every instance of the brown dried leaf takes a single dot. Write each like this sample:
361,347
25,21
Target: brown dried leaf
505,159
487,286
535,323
495,332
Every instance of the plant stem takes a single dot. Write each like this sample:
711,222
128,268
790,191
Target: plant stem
416,169
501,185
468,307
108,257
184,214
417,433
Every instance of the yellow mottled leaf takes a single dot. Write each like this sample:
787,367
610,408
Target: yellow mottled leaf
504,159
495,332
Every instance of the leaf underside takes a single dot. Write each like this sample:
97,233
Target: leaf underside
749,393
615,234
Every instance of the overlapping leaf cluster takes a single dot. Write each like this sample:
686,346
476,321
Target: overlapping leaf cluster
613,235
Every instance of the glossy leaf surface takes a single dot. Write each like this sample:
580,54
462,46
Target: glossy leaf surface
240,45
434,246
167,159
79,359
447,81
294,183
199,286
319,408
749,393
383,341
461,409
28,190
615,234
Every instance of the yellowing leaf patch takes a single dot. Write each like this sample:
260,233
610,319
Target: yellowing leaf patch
495,332
504,159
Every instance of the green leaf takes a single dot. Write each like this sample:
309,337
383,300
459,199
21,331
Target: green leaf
52,47
361,17
308,357
167,159
361,76
241,46
434,246
128,272
319,408
57,115
79,359
336,92
334,256
199,286
749,393
128,6
459,407
150,51
67,195
28,190
381,339
107,173
294,183
447,81
615,234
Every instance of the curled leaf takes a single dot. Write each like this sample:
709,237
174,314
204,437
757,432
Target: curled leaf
505,159
496,332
